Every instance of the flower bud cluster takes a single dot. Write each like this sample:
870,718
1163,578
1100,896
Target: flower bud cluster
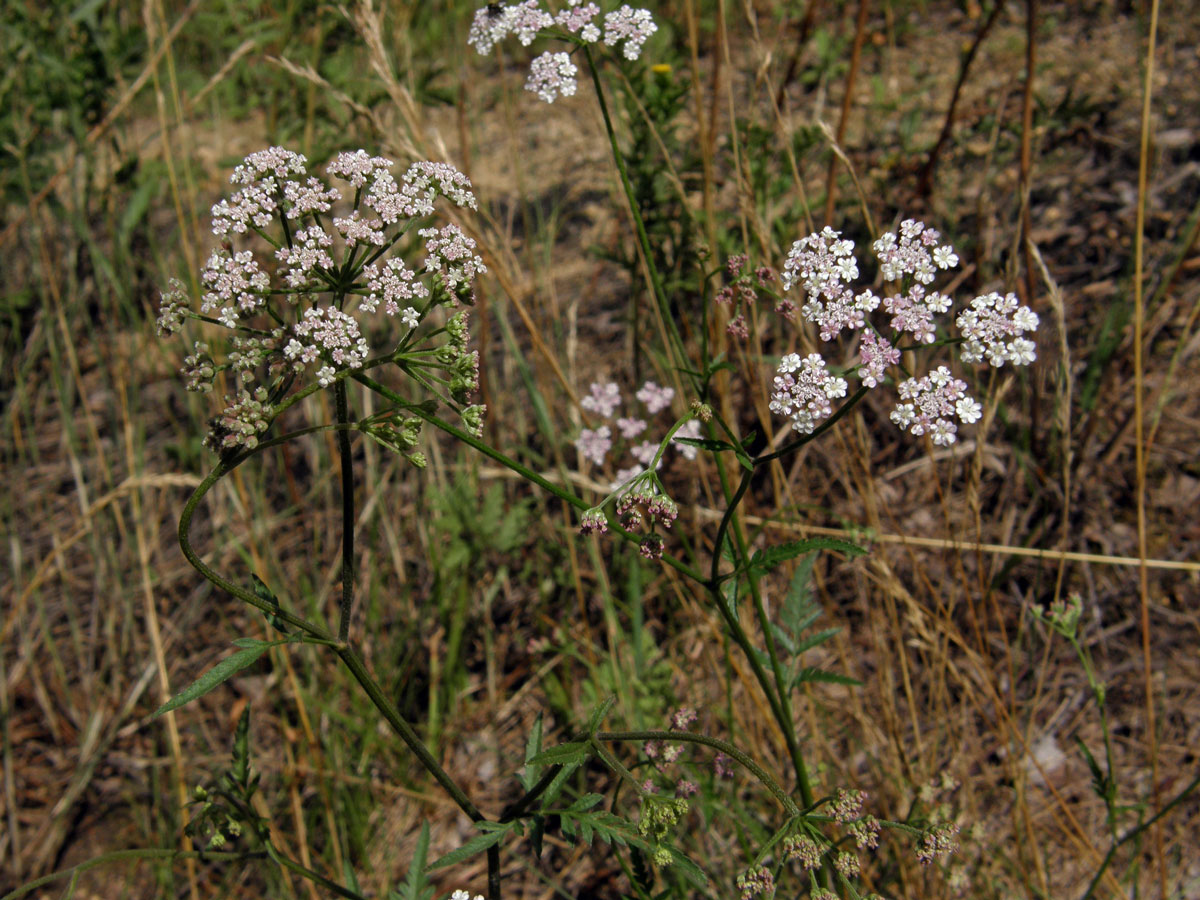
552,75
741,293
314,319
640,498
824,266
659,815
756,881
244,418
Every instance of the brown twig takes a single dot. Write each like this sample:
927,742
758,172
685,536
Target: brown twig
925,178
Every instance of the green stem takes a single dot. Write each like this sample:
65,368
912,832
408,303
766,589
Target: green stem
344,650
343,418
1135,831
640,226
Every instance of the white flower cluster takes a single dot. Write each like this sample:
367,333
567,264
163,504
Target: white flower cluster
993,327
333,273
803,390
823,265
552,75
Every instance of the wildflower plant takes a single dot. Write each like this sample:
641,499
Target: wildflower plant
319,282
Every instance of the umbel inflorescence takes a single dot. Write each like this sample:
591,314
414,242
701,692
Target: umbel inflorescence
307,298
993,329
551,74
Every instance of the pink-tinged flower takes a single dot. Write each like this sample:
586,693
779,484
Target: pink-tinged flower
603,399
420,186
685,789
930,405
357,167
308,255
274,161
908,253
250,206
722,766
644,452
941,840
172,308
802,391
866,833
233,278
651,547
737,327
594,444
356,230
333,334
802,849
552,75
633,26
630,428
847,805
689,429
655,398
578,18
755,881
821,263
300,200
682,718
451,254
875,354
993,327
395,283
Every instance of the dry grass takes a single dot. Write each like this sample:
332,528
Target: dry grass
102,618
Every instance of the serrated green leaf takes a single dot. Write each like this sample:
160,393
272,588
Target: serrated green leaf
766,560
476,845
533,746
687,868
599,713
729,596
561,754
221,672
783,638
814,639
812,674
264,593
585,803
558,783
535,836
